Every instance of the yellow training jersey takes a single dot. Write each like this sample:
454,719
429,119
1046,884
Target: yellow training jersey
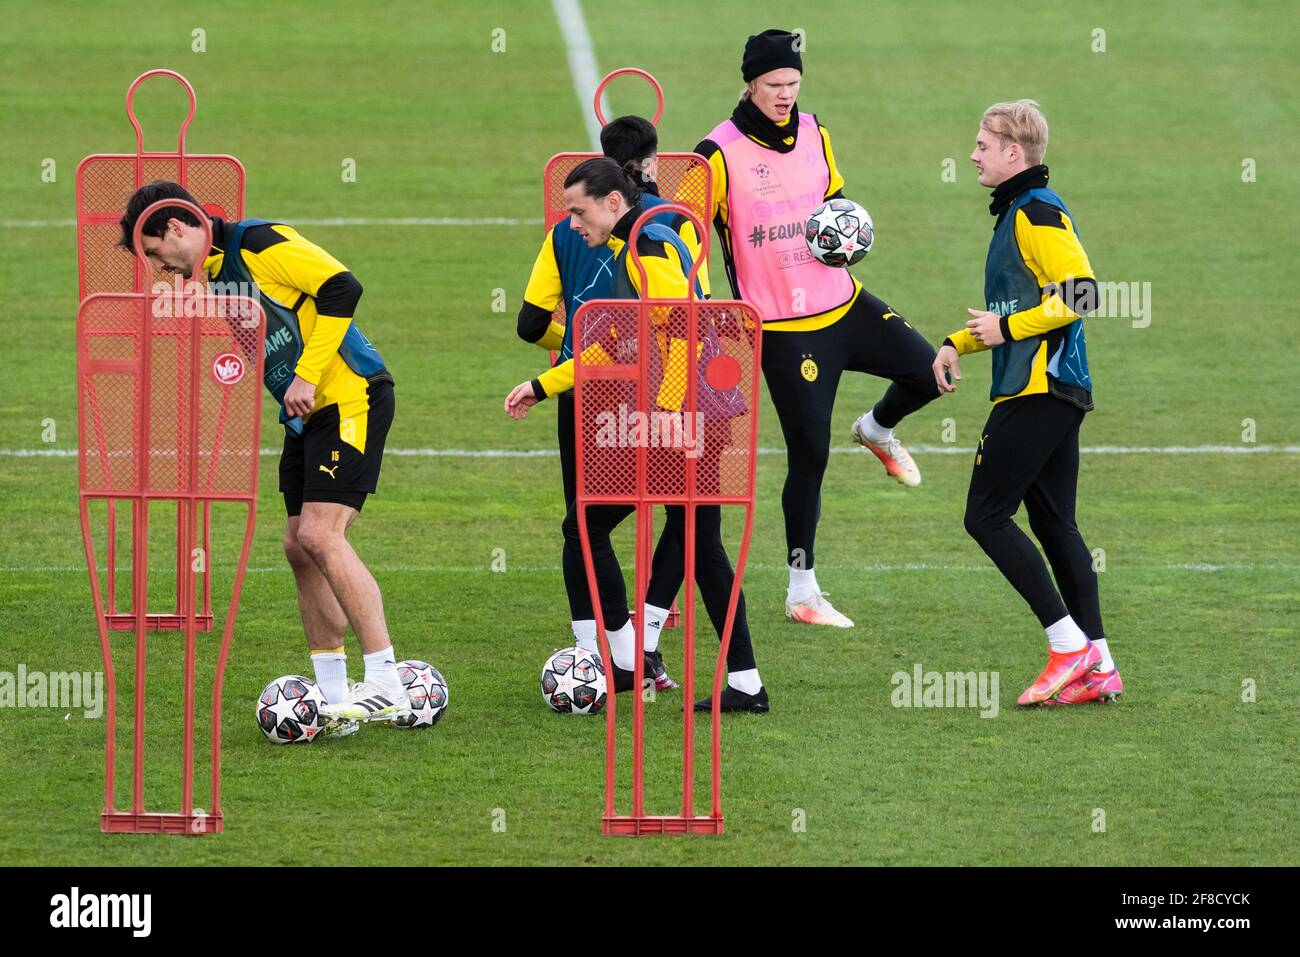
665,276
321,294
1051,249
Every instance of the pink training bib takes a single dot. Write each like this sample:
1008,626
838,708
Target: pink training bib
770,196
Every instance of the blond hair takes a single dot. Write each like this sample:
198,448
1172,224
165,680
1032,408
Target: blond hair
1019,122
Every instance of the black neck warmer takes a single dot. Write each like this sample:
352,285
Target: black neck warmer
751,121
1008,190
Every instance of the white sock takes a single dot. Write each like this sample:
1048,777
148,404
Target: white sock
331,674
655,619
873,430
747,681
584,635
1107,662
622,645
803,585
381,669
1065,636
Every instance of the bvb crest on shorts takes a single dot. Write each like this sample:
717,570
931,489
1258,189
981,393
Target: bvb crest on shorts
666,413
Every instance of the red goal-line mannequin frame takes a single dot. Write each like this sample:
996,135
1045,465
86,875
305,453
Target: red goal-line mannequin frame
646,477
136,361
105,181
684,178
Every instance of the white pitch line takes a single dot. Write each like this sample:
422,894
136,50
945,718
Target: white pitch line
1203,567
328,221
582,64
839,450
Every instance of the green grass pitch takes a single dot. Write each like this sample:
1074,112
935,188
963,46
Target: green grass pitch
1201,588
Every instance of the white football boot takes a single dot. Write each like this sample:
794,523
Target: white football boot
896,459
369,702
816,610
339,728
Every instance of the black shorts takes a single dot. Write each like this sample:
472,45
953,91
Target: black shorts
318,466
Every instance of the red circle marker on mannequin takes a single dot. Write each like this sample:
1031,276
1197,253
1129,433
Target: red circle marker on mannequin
722,373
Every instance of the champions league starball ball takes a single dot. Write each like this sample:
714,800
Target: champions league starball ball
573,682
427,689
288,710
839,233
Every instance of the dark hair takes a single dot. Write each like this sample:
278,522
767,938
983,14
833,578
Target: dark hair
602,176
628,140
156,225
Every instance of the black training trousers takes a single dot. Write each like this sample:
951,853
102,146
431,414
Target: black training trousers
713,572
568,453
803,371
1030,452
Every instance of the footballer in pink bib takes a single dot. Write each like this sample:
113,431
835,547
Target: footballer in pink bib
770,197
772,168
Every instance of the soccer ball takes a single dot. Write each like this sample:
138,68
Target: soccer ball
288,710
428,690
839,232
573,682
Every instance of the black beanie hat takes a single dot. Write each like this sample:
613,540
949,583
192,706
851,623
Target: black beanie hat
771,50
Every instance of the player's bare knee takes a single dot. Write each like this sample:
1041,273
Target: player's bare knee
294,552
318,542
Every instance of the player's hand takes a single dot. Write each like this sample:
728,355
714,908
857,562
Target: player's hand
520,400
946,371
300,397
986,327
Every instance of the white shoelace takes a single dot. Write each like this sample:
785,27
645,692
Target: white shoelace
815,600
896,451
